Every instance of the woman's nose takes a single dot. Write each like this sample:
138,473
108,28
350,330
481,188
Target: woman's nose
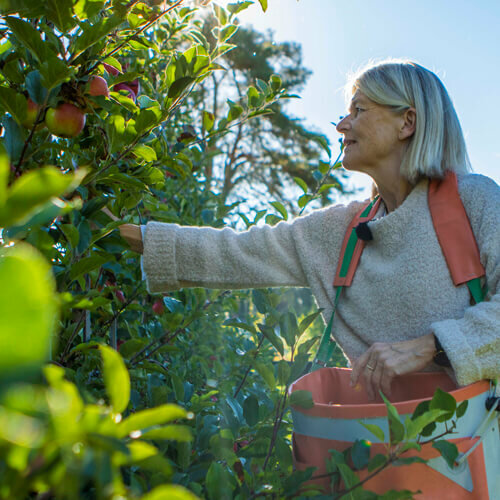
343,124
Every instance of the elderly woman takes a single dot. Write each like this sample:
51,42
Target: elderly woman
402,307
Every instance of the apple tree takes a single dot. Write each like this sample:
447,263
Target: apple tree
106,391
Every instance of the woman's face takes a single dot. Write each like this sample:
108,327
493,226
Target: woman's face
373,136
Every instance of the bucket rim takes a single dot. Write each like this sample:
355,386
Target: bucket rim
379,409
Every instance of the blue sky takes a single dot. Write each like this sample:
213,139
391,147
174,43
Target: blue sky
459,40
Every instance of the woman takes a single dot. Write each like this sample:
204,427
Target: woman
402,307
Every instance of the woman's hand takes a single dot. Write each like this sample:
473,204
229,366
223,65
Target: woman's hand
382,362
131,233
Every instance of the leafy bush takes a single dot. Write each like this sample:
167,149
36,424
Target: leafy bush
107,392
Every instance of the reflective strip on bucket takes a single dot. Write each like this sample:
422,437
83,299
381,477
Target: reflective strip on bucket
333,423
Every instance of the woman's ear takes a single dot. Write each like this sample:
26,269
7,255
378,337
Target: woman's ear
409,124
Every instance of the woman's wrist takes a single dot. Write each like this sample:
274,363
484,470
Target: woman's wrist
132,234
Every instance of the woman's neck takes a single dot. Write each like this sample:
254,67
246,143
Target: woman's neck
393,192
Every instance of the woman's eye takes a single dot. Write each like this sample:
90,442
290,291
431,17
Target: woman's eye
358,109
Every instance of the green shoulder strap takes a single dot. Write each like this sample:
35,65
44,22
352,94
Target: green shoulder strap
327,344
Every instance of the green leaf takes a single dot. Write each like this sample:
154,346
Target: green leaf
375,430
323,167
327,187
54,71
449,451
87,264
85,9
116,378
267,374
302,399
14,138
36,90
239,324
443,401
218,482
148,418
220,14
348,476
33,190
208,121
145,152
360,453
300,182
28,309
171,491
14,103
396,428
92,33
235,111
179,86
288,328
60,12
415,426
462,408
251,410
263,4
280,208
284,372
236,8
275,82
272,337
304,200
408,461
307,321
28,36
221,49
376,462
171,432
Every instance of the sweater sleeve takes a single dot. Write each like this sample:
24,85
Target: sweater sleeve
472,342
287,254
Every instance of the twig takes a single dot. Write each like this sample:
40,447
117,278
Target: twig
145,27
318,187
280,411
168,338
62,358
250,366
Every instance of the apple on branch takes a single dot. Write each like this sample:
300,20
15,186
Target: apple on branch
66,120
98,86
32,112
123,86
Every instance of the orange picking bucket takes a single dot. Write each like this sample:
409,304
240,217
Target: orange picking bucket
333,423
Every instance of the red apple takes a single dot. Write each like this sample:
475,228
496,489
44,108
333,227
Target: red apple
111,69
120,296
122,86
98,86
31,114
66,120
134,86
158,307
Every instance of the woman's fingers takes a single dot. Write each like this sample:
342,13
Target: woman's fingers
358,366
382,362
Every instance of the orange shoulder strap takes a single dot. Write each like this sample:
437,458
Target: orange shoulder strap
352,246
453,230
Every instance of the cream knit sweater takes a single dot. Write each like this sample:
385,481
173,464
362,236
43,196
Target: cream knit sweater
402,288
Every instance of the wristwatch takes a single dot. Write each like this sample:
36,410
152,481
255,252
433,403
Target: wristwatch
440,358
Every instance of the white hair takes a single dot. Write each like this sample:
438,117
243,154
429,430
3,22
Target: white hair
438,143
